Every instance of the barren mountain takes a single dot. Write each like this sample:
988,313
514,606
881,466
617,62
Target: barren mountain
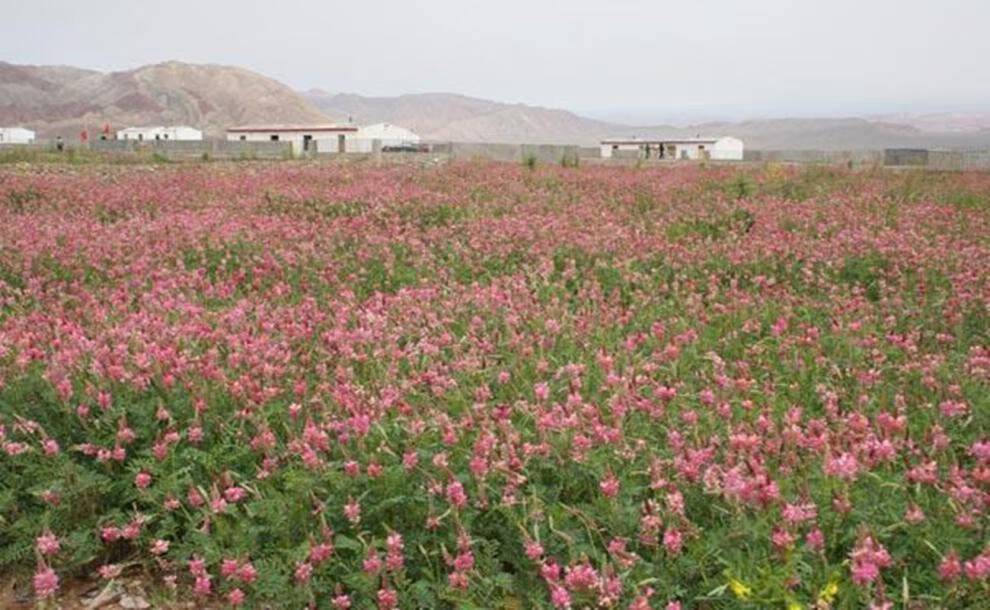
61,100
450,117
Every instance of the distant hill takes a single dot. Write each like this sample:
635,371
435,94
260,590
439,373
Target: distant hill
62,100
447,116
824,134
942,122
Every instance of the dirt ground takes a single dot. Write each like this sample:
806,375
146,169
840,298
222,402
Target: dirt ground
130,592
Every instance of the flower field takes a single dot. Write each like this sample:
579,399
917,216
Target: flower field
492,386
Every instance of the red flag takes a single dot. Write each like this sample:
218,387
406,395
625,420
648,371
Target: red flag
83,136
106,128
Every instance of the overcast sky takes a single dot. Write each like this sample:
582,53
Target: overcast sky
632,59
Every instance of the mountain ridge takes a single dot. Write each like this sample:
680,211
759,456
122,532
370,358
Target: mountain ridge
60,99
63,99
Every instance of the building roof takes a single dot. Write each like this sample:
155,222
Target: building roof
661,140
269,128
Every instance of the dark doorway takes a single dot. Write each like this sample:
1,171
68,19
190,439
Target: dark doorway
307,141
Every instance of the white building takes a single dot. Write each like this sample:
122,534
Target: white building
16,135
326,138
177,132
725,148
386,133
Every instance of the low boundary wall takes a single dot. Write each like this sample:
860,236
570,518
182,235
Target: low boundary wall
190,149
517,153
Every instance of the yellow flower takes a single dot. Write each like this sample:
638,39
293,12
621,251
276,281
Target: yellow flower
829,591
740,589
793,605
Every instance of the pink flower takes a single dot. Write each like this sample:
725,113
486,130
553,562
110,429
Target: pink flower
673,540
542,391
581,577
303,572
110,571
45,582
203,585
131,531
352,510
456,495
47,544
464,561
610,486
320,552
110,533
236,597
559,597
950,568
866,560
159,547
228,568
387,599
781,538
533,550
341,602
247,573
458,580
372,563
142,480
844,466
234,494
914,514
194,498
197,566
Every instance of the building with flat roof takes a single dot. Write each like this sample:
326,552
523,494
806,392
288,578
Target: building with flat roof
723,148
304,138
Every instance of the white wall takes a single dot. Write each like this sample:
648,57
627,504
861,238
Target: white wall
723,149
728,149
388,134
16,135
608,148
179,132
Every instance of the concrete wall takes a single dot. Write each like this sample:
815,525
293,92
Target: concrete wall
543,153
815,156
905,156
976,159
589,152
189,149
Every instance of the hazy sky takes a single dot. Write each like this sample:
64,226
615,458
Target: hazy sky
635,59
